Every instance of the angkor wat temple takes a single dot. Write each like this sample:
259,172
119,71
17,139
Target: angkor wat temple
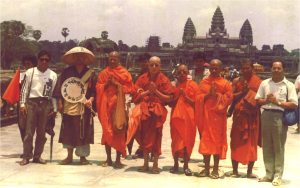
216,44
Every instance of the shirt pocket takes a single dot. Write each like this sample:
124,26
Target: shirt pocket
282,94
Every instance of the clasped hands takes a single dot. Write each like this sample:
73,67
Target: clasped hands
213,90
152,88
245,87
272,99
111,80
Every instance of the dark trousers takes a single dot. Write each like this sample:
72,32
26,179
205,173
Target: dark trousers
36,120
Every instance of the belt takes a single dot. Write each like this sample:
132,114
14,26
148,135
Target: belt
273,110
39,99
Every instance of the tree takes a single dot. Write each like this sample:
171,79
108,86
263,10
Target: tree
10,33
36,34
65,32
134,48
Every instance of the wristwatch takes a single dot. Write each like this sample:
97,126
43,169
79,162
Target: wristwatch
279,103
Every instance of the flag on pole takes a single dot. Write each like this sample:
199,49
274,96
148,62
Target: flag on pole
12,93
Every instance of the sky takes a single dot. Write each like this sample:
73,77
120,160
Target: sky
272,22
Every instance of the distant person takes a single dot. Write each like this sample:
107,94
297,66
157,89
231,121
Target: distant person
200,73
35,98
245,133
211,104
28,61
144,64
272,96
183,128
297,86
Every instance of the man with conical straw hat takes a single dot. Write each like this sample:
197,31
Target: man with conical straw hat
76,93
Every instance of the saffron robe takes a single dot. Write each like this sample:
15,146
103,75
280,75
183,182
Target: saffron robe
211,116
245,133
183,128
153,113
107,101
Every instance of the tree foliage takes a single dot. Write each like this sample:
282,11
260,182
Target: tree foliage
37,34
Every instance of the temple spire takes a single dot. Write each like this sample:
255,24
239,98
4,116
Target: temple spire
189,32
246,33
218,21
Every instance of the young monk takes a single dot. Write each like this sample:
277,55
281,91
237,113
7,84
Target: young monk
152,91
106,88
183,128
246,120
214,97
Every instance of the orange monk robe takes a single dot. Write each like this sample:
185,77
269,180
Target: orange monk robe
153,112
246,124
211,116
183,128
107,101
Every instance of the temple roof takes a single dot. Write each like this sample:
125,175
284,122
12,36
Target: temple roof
189,28
246,32
218,21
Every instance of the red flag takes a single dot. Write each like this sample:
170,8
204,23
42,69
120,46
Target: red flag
12,93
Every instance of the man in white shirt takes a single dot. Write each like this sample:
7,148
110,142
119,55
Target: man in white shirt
35,105
272,95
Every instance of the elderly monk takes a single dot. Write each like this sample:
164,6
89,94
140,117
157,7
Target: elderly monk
152,91
246,120
183,128
106,88
215,95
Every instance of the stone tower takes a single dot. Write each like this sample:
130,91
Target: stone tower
189,32
218,21
246,34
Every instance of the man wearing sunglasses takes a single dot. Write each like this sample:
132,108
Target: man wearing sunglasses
35,106
151,93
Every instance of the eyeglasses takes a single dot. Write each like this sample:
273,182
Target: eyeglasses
44,59
182,71
154,64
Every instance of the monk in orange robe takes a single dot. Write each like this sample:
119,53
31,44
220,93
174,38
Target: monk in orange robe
183,128
215,95
246,120
152,91
106,88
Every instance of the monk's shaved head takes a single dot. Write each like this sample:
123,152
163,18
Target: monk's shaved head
217,61
115,53
154,58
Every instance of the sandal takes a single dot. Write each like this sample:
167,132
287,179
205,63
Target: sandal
173,169
24,162
143,169
188,172
84,161
39,160
276,182
107,163
155,170
264,179
214,175
204,173
118,165
250,176
66,161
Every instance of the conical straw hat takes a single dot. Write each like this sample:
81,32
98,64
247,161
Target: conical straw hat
89,56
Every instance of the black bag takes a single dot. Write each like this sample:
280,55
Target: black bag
289,116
